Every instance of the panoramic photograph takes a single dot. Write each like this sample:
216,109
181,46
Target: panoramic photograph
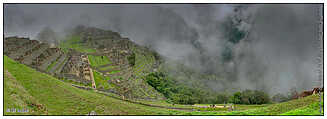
163,59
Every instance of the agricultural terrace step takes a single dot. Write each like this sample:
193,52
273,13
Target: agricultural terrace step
61,59
61,66
20,51
15,42
96,53
49,61
29,59
70,76
106,65
11,47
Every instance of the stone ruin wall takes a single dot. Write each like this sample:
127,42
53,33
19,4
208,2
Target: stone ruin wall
77,68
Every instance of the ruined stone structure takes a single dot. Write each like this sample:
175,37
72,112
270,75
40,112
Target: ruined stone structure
48,59
78,68
108,42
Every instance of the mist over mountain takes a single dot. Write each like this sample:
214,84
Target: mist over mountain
265,47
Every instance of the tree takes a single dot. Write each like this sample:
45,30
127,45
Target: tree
131,59
249,97
236,98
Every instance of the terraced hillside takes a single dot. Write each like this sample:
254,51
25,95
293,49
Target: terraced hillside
35,54
108,53
44,58
90,57
42,94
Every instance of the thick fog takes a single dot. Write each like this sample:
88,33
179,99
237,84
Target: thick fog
265,47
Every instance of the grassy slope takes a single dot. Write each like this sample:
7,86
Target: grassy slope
280,108
16,97
313,109
101,81
59,98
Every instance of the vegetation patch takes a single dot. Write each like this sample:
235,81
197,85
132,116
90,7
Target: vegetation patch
101,81
98,60
176,93
250,97
131,59
51,65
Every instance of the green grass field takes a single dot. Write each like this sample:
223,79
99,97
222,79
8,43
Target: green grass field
74,43
98,60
